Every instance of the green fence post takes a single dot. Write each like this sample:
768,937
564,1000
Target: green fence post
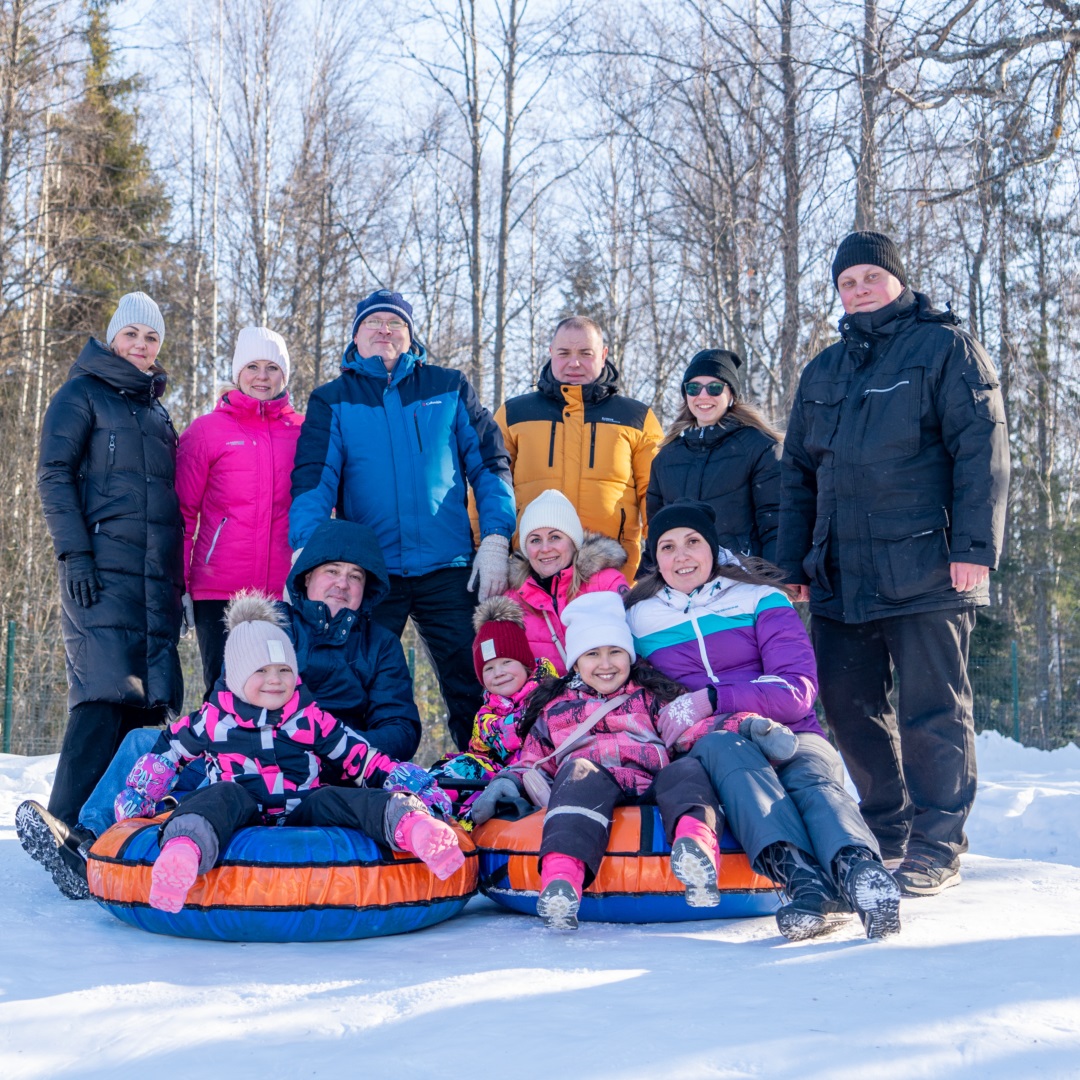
412,662
1016,691
9,684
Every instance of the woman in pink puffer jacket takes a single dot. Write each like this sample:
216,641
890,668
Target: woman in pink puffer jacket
233,470
556,561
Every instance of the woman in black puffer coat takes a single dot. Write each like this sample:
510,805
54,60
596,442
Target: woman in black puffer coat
721,451
106,479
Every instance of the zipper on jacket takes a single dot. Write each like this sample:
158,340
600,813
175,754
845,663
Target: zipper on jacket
551,446
701,649
592,445
112,454
416,424
213,543
622,523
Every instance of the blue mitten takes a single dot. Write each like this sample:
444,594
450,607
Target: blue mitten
415,781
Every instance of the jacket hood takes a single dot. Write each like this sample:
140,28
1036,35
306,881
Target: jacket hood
338,540
605,385
597,552
98,360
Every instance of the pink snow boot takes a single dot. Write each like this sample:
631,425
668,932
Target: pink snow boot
174,873
695,856
562,879
432,841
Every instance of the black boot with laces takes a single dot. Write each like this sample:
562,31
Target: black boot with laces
813,906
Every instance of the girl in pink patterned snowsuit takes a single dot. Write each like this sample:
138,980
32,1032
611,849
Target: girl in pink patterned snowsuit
265,740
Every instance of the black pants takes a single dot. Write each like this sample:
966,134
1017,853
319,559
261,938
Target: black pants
584,796
94,732
213,814
210,631
442,608
915,767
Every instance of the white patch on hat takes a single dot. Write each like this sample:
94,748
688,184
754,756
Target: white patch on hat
276,651
487,649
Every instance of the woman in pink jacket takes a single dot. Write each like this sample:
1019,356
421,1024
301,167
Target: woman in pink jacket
556,561
233,471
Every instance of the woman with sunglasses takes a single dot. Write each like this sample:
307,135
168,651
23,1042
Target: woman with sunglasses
721,451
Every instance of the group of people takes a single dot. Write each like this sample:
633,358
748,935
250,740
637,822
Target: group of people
605,674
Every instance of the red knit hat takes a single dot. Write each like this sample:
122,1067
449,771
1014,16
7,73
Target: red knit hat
500,632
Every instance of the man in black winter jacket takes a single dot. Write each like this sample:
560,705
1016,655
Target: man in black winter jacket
895,474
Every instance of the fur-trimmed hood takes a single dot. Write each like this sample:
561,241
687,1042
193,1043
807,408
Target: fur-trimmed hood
597,552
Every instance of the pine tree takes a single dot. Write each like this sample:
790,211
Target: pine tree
109,209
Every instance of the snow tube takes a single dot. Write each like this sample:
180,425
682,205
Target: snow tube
635,883
281,884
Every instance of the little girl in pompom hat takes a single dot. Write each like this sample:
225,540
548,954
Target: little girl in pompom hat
264,740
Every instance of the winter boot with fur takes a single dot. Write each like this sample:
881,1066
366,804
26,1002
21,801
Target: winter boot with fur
175,871
562,879
870,889
47,840
695,856
813,907
432,841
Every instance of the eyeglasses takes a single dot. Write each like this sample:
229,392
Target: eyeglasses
713,389
392,325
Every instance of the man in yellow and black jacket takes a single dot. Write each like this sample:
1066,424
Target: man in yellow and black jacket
577,433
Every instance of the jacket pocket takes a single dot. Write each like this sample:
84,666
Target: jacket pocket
814,563
213,542
987,396
910,548
890,423
821,404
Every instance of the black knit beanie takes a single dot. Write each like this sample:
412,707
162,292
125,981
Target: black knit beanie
684,514
870,249
717,364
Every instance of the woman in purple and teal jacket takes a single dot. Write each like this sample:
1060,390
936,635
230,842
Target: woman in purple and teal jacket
709,620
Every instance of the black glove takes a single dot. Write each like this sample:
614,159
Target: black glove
83,583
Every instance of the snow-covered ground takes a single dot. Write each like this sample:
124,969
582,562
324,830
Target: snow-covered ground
983,982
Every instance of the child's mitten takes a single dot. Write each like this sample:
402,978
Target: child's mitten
152,775
502,787
131,803
412,779
683,721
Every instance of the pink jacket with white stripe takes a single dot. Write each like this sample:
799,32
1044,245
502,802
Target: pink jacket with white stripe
233,476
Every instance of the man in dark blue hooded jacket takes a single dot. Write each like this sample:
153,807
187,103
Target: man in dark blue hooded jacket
354,667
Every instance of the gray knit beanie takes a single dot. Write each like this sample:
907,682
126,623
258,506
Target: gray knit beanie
256,638
135,309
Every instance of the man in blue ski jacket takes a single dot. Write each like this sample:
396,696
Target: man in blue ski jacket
394,442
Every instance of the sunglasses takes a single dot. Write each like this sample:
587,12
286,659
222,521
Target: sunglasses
713,389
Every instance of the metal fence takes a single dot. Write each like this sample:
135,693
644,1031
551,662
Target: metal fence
1007,698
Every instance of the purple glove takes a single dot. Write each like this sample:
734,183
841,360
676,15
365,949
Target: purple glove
131,803
152,775
683,721
415,781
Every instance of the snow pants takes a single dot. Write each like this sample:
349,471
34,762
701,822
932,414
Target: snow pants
213,814
584,795
210,631
914,768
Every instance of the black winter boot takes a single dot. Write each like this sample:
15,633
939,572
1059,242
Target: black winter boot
870,889
813,908
47,840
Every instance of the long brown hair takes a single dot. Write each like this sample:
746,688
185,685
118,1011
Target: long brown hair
746,414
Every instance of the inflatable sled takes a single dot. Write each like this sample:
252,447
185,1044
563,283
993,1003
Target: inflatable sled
635,883
281,884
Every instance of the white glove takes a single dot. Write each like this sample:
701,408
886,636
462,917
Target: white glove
483,809
489,567
188,622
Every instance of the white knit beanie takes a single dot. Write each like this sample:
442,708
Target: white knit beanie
594,620
259,343
551,510
135,309
256,638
